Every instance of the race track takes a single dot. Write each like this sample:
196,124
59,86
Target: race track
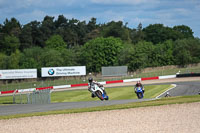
182,88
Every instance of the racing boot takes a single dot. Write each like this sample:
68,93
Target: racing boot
104,92
93,95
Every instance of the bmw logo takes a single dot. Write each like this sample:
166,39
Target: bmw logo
51,72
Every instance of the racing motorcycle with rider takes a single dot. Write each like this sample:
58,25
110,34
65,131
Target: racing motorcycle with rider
97,89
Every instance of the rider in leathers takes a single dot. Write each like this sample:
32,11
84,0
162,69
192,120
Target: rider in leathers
91,83
139,84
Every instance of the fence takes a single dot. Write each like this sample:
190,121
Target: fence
35,97
114,71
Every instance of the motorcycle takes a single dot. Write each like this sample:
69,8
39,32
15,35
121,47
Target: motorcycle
97,91
139,92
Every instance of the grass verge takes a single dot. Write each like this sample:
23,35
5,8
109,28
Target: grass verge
158,102
119,93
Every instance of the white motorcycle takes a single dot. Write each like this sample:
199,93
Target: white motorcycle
97,91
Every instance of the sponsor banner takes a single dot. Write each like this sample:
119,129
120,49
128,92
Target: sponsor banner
63,71
18,74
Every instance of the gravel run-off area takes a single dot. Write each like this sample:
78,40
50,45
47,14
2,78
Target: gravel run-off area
178,118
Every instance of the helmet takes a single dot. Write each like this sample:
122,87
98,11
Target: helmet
90,79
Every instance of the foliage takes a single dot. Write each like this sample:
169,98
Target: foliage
186,51
101,52
3,61
10,44
185,31
141,56
116,29
71,42
56,42
158,33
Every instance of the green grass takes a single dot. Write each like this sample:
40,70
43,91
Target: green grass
6,100
118,93
159,102
151,91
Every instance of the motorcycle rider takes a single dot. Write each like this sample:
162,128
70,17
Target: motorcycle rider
91,83
139,84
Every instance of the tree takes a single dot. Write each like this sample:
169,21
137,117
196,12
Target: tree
13,60
124,56
51,58
61,22
101,52
141,56
92,24
37,35
184,30
158,33
72,56
10,44
26,38
11,27
3,61
31,58
186,51
137,34
56,42
116,29
47,27
164,53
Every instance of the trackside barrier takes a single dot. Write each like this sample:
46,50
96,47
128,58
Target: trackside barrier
115,81
61,86
77,85
86,84
167,77
188,75
44,88
103,83
27,90
149,78
132,80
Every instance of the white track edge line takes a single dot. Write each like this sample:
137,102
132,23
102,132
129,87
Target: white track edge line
174,86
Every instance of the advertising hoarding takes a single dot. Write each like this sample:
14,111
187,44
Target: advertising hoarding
18,73
63,71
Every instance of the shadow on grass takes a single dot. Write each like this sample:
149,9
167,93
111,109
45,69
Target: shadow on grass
7,103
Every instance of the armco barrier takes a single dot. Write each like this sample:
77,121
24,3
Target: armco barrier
86,84
150,78
6,92
77,85
188,75
44,88
115,81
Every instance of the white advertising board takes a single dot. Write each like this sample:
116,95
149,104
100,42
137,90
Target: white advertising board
18,73
63,71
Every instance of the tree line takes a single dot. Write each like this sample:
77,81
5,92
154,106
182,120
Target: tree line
71,42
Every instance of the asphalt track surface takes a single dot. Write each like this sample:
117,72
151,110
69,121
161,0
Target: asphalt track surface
182,88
